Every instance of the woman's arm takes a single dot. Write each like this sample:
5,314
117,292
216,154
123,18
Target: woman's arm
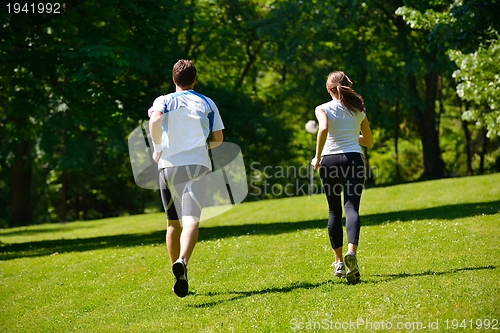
366,137
216,139
321,137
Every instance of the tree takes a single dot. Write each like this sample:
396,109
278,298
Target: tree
469,33
479,82
388,62
74,85
71,87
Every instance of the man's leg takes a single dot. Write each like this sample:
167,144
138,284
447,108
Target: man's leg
187,240
188,237
193,195
174,230
174,227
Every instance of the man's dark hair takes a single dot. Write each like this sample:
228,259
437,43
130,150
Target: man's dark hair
184,73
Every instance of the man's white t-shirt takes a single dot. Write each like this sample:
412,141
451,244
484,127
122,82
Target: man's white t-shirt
343,129
188,120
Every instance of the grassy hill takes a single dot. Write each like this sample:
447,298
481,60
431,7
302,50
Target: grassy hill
429,256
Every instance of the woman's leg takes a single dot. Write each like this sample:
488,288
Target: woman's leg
353,183
331,180
353,180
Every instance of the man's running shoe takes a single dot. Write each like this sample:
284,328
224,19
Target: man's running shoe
181,281
351,262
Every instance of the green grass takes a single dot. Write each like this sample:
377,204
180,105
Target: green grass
429,252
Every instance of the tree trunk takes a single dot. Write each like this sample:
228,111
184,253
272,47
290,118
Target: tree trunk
64,183
483,151
64,197
426,122
20,186
439,97
465,126
396,139
252,57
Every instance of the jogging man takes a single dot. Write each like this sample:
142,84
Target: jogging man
183,126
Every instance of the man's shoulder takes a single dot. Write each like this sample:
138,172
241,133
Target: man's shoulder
162,98
202,96
207,99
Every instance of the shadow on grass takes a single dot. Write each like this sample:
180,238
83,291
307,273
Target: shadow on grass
59,246
48,228
446,212
235,295
47,247
388,277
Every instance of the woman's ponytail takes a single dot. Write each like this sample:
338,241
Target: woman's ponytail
340,85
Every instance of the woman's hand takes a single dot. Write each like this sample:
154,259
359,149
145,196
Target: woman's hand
315,163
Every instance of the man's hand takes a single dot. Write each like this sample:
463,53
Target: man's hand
156,156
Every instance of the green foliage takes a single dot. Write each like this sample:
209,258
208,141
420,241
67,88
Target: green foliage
80,108
72,87
470,24
479,82
259,135
469,32
383,160
419,20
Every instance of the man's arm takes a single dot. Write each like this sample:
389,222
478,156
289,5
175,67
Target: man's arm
216,139
156,134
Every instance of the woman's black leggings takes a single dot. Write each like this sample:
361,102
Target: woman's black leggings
343,172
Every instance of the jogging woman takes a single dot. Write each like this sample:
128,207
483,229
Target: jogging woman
183,126
343,129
